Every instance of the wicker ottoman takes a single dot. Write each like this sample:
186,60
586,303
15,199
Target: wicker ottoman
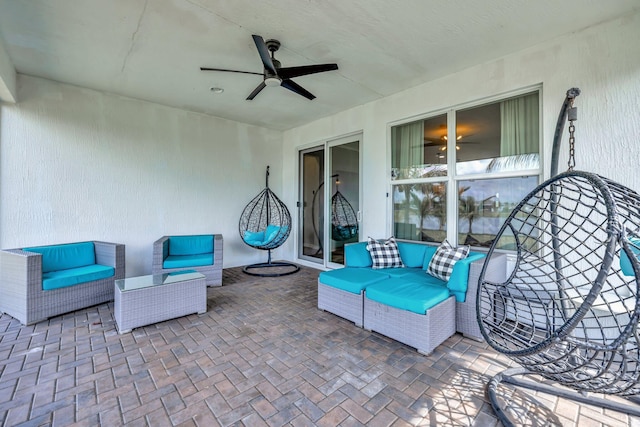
141,301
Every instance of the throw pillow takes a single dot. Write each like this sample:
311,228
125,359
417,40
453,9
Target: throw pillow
446,256
384,254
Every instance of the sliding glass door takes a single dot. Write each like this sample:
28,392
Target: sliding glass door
329,204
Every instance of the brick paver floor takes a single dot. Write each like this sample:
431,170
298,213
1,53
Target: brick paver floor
263,354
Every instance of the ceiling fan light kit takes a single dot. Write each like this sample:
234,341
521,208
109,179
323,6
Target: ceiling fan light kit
276,75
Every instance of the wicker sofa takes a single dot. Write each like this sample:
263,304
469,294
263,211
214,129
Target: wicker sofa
40,282
202,253
407,304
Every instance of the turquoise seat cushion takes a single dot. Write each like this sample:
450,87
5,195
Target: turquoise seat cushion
191,245
64,257
357,255
74,276
410,296
413,254
270,233
351,279
254,237
180,261
625,262
404,272
421,276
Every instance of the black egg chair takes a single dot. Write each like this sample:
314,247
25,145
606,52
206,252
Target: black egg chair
569,310
265,223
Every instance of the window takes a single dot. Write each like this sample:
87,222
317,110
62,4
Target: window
482,160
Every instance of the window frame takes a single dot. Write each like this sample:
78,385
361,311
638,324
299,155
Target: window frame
452,178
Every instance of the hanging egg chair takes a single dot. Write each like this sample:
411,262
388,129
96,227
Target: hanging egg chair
265,223
569,309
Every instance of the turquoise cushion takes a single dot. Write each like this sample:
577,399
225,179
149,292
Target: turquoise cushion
625,262
357,255
254,237
191,245
410,296
428,254
459,279
351,279
421,276
64,257
271,232
75,276
179,261
412,254
404,272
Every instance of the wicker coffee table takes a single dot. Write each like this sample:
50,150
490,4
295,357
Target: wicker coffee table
145,300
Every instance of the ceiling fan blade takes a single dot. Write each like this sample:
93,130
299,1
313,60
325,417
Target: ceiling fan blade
295,87
290,72
230,71
256,91
264,53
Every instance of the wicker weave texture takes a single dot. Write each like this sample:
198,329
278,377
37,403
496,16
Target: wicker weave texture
21,294
146,306
212,273
341,303
422,331
466,312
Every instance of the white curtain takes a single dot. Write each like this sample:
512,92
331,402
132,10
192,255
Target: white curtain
520,132
409,146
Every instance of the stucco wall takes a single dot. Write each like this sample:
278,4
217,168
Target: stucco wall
603,61
77,164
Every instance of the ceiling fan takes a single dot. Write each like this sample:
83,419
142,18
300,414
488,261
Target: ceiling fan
276,75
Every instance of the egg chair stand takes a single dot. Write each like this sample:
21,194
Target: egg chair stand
569,310
265,223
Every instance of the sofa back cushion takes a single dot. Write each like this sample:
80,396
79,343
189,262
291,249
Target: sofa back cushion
191,245
413,254
357,255
64,257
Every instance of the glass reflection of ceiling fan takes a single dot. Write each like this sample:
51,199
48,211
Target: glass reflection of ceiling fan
442,143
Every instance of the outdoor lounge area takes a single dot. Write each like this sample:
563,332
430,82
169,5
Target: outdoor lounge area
198,200
262,354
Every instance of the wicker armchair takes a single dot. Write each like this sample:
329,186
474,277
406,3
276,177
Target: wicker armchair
212,272
21,284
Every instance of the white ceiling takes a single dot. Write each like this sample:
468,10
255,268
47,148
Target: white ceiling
152,49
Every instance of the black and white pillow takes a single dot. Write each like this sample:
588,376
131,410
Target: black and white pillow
384,254
446,256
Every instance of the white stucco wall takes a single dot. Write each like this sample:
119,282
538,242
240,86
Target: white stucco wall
603,61
77,164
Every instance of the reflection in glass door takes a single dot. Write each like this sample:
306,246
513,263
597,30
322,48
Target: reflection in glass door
330,201
312,205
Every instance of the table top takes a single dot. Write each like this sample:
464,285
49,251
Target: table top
141,282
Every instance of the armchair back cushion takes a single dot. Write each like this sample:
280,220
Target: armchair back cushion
64,257
191,245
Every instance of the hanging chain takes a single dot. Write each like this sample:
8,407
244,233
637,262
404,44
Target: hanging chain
572,139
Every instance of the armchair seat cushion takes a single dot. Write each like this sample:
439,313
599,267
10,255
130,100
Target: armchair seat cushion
180,261
410,296
74,276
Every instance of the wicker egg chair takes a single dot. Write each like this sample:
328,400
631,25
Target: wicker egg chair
569,310
265,223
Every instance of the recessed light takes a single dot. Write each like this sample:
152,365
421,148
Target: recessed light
216,89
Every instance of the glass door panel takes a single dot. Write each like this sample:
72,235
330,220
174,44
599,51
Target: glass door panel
311,234
344,197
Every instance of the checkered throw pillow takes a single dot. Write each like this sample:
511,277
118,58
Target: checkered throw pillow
446,256
384,254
